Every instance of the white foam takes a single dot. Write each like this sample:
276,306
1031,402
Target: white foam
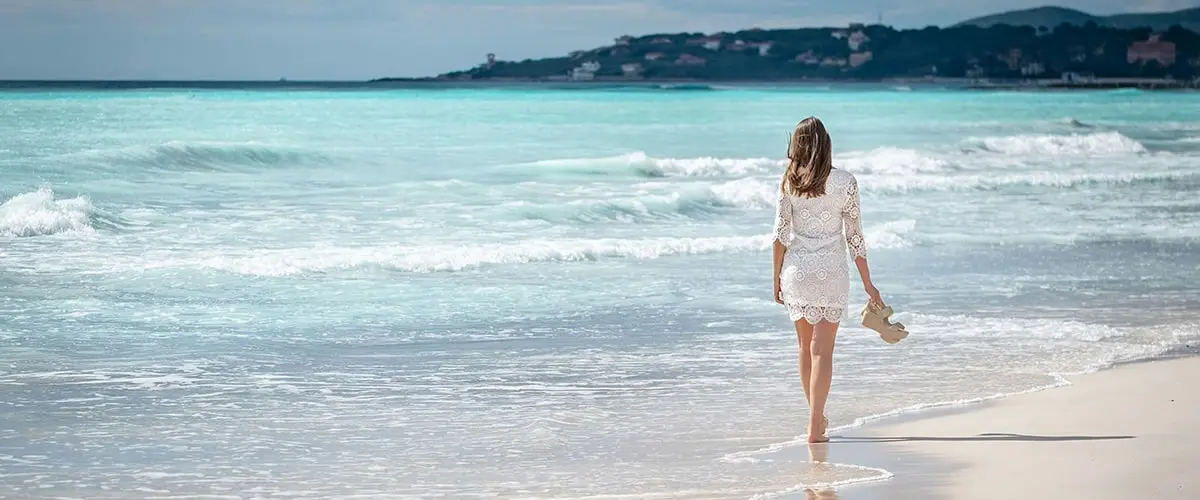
166,475
439,258
38,213
746,193
1014,327
641,163
893,167
1102,143
890,234
994,181
456,258
893,161
882,161
449,254
710,167
692,200
873,474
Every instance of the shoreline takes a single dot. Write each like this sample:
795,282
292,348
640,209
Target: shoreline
667,84
949,449
885,470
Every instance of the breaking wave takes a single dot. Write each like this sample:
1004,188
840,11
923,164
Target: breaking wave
1097,144
890,234
449,258
885,160
893,161
38,213
425,259
685,202
643,165
984,182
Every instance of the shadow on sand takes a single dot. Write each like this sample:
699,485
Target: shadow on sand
992,436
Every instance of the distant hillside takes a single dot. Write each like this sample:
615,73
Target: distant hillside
1188,18
1050,17
873,52
1041,16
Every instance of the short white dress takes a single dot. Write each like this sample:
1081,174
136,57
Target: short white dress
815,278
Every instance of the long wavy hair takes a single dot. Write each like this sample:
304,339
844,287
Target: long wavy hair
810,159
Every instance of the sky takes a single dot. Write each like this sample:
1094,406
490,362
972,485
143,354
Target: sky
363,39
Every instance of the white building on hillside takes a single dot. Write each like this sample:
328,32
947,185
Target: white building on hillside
856,40
708,42
1032,69
860,58
585,71
808,58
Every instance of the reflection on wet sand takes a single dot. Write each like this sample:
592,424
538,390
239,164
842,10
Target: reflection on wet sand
820,472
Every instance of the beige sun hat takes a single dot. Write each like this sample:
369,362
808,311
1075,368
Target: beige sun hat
875,316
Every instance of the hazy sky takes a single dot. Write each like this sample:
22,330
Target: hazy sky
360,39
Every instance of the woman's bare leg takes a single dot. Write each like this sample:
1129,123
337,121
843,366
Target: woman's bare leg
821,378
804,335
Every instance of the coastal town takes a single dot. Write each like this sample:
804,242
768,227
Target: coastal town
997,55
854,36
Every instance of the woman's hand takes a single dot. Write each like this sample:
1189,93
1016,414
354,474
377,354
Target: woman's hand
873,294
778,292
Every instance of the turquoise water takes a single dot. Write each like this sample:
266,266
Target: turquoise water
547,294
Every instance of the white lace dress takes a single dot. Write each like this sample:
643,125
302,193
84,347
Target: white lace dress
815,279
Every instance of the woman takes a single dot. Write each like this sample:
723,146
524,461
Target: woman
816,219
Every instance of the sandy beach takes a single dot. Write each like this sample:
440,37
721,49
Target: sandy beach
1128,432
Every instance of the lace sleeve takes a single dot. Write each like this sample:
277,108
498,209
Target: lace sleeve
783,218
852,221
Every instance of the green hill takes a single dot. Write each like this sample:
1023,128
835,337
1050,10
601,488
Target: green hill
1188,18
1041,16
1050,17
1006,46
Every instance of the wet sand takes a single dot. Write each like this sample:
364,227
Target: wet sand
1128,432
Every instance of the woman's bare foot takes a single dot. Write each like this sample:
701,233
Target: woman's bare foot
817,435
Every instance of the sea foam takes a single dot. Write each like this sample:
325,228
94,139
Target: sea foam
38,213
449,258
641,164
1103,143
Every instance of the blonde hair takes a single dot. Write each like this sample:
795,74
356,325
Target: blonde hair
810,159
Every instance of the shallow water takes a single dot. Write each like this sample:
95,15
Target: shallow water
544,293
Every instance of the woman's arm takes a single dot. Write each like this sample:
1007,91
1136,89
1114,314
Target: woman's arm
864,271
783,237
852,223
777,252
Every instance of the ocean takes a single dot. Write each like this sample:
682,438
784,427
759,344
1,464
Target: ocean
546,293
